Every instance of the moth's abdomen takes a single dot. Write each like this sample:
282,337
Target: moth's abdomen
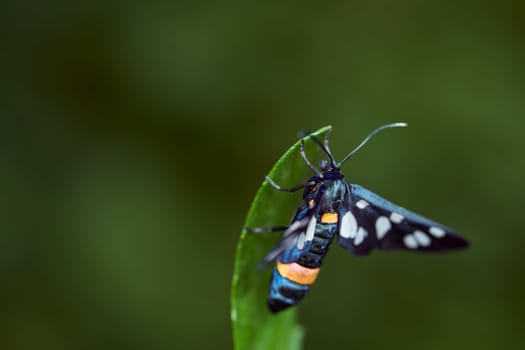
291,279
313,254
290,283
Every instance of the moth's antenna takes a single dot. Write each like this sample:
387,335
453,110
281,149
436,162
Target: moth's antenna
326,141
303,134
388,126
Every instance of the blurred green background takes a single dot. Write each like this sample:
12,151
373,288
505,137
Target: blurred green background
134,137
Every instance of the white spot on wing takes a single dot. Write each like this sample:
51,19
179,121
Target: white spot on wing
436,232
300,241
310,230
422,238
382,226
362,204
348,227
397,218
361,234
410,242
295,226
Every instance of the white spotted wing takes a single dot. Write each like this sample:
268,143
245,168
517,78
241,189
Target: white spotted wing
368,221
298,236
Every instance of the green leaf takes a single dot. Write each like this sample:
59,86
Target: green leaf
254,326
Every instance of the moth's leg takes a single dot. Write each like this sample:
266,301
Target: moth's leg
292,189
266,229
326,142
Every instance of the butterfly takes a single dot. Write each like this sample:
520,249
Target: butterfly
360,219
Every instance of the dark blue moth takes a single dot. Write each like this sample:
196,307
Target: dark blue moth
360,219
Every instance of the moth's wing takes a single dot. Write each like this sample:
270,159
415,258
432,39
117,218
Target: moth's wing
299,234
289,238
370,221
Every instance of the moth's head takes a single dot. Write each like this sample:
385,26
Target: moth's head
327,166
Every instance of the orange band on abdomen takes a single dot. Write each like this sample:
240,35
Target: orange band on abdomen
297,273
329,218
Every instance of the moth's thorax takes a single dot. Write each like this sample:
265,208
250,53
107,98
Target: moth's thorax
334,192
321,182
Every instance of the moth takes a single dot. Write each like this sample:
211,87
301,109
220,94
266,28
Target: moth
360,219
